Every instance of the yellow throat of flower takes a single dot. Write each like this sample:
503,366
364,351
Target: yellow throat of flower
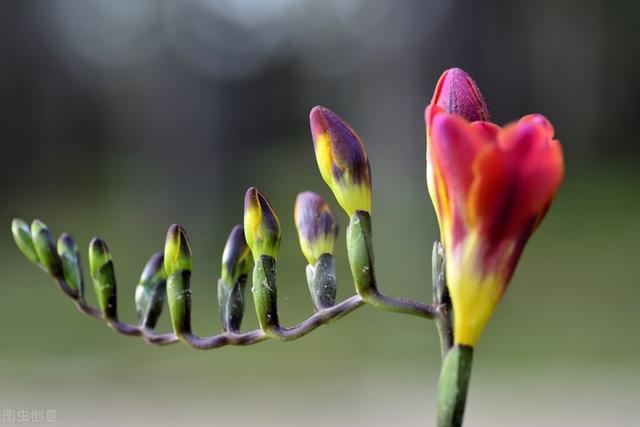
474,294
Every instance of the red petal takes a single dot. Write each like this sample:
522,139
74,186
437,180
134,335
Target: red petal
515,182
453,147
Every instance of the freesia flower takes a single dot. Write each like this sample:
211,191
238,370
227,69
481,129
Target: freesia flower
261,225
316,225
342,160
491,187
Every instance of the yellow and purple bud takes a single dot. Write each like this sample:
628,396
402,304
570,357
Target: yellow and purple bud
342,160
177,251
261,225
316,225
490,187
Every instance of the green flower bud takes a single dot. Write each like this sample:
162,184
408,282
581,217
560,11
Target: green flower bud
46,249
70,258
236,263
103,277
151,291
177,251
22,236
261,225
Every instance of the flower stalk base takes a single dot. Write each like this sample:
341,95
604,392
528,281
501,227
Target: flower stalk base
453,385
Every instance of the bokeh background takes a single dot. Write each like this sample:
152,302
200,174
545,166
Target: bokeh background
118,118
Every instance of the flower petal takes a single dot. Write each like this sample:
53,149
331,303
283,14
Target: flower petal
453,146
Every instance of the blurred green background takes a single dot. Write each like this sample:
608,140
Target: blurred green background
120,118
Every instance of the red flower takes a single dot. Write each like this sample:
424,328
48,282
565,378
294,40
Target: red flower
491,187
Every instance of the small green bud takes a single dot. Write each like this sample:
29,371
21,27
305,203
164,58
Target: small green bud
177,251
265,294
151,291
70,258
236,264
179,299
22,235
99,255
103,277
46,249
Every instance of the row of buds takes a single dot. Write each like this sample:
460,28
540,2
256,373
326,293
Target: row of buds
61,261
343,164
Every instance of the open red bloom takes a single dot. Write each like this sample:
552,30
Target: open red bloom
491,187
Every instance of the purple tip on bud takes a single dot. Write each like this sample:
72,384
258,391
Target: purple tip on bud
457,93
235,258
342,160
316,225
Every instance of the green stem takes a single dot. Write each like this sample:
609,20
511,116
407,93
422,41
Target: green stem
361,261
453,385
441,299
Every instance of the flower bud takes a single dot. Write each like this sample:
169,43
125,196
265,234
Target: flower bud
177,266
177,251
316,225
236,258
342,160
236,263
46,249
490,187
150,292
261,225
103,277
70,258
457,93
22,236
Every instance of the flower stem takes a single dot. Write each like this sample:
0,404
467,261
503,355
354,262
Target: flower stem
441,299
453,385
361,260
